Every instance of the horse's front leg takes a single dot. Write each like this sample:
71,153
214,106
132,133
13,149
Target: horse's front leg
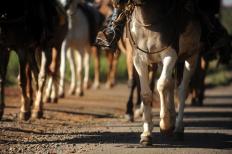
4,58
38,105
165,87
48,90
79,63
71,59
112,66
86,68
62,70
23,68
183,91
96,57
146,93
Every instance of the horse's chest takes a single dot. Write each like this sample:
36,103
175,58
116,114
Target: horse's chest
149,58
153,58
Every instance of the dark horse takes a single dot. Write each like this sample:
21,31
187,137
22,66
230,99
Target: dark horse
28,26
216,45
164,31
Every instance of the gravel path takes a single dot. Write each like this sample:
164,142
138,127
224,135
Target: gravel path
95,124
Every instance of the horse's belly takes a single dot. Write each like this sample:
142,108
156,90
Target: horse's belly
189,40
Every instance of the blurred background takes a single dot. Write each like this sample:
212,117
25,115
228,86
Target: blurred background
220,75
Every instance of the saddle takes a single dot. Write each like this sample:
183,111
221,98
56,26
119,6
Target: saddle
95,19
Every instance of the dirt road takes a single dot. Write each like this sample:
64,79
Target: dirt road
95,124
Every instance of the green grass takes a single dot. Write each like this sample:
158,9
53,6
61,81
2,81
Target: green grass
12,71
215,76
221,75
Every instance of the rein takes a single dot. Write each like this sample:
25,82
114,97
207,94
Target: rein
140,49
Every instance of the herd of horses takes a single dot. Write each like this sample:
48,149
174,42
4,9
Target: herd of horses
44,33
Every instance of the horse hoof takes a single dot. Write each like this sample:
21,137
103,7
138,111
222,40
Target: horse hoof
24,116
48,100
167,132
87,86
54,100
37,114
146,140
1,114
109,85
71,92
81,94
96,86
129,117
179,136
61,95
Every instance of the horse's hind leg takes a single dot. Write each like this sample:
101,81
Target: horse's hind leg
138,106
183,91
4,58
25,111
165,87
48,91
37,111
198,82
129,108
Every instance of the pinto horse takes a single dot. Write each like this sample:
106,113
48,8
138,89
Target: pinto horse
163,31
26,27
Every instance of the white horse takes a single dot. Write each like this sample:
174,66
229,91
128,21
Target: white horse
77,48
162,31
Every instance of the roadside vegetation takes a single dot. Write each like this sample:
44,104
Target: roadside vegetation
216,75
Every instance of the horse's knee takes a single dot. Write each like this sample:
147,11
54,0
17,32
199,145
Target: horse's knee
162,84
147,98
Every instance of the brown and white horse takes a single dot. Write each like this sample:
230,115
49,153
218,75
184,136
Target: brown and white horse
162,31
